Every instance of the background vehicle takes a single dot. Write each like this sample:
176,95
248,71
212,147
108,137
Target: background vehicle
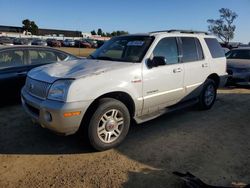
21,41
136,77
238,66
68,43
6,41
61,41
93,43
82,44
53,43
16,61
39,42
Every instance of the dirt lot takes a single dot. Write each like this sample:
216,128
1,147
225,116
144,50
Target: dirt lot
213,145
82,52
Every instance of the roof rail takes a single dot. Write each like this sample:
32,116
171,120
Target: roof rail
181,31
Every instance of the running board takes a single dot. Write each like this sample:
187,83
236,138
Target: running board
156,114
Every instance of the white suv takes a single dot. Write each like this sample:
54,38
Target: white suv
136,77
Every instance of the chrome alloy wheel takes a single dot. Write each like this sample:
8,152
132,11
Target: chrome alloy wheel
110,126
209,95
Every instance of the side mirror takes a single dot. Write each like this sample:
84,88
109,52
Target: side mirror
156,61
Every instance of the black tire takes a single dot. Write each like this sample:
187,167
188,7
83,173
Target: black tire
204,103
106,107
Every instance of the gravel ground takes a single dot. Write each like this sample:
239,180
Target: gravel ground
213,145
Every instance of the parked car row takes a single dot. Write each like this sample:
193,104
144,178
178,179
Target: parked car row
83,43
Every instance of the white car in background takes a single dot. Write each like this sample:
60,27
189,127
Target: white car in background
138,77
69,43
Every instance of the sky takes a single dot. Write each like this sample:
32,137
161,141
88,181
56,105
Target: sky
133,16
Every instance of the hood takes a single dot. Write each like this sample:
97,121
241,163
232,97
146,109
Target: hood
74,69
238,63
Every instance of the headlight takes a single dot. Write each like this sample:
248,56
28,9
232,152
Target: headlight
59,89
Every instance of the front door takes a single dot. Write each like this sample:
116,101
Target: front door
196,66
163,85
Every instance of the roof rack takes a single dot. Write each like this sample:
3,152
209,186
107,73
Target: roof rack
181,31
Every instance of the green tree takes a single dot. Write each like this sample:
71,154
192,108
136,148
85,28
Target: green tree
34,28
119,33
26,24
30,26
99,32
108,34
114,33
93,32
223,27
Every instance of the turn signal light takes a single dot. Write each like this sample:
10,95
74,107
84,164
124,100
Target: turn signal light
70,114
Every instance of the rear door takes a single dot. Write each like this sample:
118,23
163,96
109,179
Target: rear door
196,66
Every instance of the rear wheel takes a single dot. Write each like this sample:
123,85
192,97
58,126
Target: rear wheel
208,95
109,124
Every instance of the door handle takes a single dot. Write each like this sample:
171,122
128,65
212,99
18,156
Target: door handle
204,65
177,70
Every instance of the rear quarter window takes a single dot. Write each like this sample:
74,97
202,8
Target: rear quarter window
11,58
214,48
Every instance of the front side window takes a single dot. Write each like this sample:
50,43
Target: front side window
11,58
167,48
125,49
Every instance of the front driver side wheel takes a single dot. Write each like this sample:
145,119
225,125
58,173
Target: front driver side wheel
109,124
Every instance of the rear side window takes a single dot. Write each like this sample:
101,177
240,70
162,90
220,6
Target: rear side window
191,49
11,58
214,48
42,56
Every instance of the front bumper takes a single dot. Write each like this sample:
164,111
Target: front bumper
239,78
50,114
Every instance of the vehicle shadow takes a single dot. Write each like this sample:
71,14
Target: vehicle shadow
22,136
213,145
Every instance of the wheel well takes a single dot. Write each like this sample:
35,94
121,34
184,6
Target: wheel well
215,78
121,96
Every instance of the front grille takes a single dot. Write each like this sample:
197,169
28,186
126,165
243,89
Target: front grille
37,88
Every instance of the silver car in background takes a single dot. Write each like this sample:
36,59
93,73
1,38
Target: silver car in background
69,43
238,66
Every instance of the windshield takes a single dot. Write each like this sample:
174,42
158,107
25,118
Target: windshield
126,49
238,54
